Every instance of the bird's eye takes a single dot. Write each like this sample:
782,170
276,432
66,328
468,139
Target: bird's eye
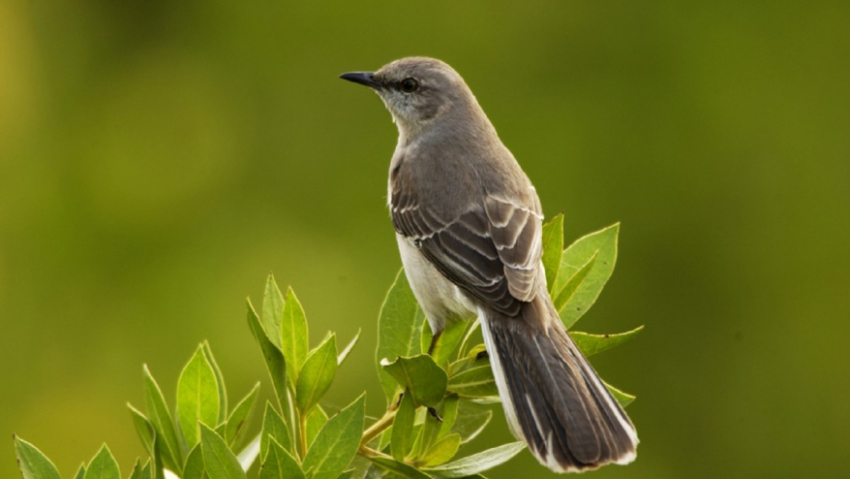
409,85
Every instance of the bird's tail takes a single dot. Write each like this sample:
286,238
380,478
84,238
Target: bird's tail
553,399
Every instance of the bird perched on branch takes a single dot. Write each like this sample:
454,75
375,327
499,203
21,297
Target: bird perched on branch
468,226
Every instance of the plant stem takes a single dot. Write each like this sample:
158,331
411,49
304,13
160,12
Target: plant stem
375,429
369,452
302,432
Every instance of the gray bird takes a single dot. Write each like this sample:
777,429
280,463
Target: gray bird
468,226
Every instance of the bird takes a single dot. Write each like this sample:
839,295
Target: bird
468,224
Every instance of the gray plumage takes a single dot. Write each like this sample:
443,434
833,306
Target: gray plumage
468,226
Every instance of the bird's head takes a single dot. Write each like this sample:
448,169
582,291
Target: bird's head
417,91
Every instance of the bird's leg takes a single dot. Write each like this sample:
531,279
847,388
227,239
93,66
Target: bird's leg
434,340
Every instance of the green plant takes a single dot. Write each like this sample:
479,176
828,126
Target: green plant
436,403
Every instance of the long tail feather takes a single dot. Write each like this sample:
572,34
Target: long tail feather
552,397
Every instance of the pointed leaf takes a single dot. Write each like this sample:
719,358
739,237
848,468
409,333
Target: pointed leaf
273,427
147,471
603,244
197,397
143,427
471,420
317,374
103,466
449,415
239,419
591,344
219,378
81,472
32,463
623,398
399,329
402,429
477,463
163,424
272,311
194,468
573,282
399,468
448,341
421,376
428,433
136,473
442,451
316,420
337,442
345,352
219,462
275,362
474,381
280,464
293,330
553,246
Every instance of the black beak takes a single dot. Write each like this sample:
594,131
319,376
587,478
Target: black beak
363,78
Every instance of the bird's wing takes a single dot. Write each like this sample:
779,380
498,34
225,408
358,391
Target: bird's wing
492,250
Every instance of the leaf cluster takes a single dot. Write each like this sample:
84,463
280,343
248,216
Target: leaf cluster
435,403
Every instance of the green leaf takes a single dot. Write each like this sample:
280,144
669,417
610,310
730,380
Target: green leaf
238,421
32,463
449,414
143,427
399,329
197,397
273,427
471,420
275,362
337,442
293,330
623,398
136,473
573,283
162,422
219,379
591,344
402,429
448,341
103,466
345,352
317,374
474,381
219,461
602,244
316,419
553,245
421,376
398,468
280,464
194,468
81,472
442,451
428,433
477,463
272,311
146,471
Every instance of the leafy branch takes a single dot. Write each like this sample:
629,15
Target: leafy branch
435,403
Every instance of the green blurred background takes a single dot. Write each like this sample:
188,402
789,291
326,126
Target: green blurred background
158,159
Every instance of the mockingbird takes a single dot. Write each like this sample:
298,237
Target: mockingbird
468,226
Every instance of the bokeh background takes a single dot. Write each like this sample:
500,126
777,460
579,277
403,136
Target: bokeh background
158,159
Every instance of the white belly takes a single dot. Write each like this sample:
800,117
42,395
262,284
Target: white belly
440,298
